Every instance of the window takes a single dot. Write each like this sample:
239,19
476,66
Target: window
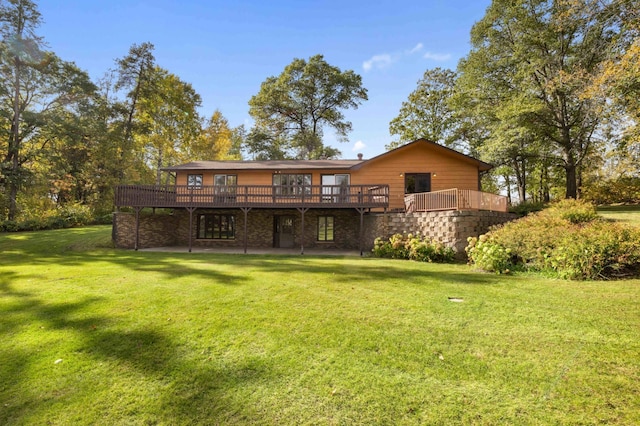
225,180
325,228
225,184
216,226
335,185
417,182
292,184
194,181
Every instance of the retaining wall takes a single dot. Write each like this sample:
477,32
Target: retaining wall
451,227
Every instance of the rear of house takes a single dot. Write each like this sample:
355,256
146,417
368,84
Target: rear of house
329,204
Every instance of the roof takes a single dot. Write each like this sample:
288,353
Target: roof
482,166
266,165
320,164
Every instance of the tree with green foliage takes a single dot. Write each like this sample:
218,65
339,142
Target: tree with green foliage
36,88
291,110
215,142
426,113
135,72
168,120
531,63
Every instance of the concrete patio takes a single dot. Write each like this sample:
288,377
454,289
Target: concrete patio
262,251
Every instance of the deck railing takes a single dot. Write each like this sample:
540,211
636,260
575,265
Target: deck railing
455,199
269,196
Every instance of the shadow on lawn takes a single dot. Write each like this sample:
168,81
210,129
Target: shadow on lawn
175,265
194,391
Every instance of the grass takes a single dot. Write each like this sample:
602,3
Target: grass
626,214
93,335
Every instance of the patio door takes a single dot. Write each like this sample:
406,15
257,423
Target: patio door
283,231
335,188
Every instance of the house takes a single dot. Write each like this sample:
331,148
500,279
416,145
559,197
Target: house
338,204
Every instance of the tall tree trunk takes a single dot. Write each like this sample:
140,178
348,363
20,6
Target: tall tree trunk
519,166
507,183
159,166
14,144
572,189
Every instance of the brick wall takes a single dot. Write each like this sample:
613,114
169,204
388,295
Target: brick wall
173,230
449,227
155,230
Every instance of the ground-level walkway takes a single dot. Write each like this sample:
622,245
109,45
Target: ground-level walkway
269,251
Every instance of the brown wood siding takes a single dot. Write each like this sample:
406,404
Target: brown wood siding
447,171
262,177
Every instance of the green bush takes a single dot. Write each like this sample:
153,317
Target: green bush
621,190
526,208
489,255
66,216
598,251
575,211
412,247
567,238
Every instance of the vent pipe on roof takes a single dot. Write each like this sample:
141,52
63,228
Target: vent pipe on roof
359,156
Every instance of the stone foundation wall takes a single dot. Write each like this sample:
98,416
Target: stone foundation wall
451,228
173,230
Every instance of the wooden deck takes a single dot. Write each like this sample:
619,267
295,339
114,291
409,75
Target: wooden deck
252,196
455,199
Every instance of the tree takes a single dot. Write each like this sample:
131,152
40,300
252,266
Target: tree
35,86
168,120
215,142
539,56
293,108
426,113
135,73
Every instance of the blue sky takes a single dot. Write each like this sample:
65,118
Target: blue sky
226,49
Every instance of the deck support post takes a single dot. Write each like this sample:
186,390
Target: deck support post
137,209
190,210
361,211
302,211
245,210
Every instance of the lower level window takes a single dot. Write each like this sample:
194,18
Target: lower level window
216,226
325,228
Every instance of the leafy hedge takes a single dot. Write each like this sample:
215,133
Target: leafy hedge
67,216
413,247
568,238
621,190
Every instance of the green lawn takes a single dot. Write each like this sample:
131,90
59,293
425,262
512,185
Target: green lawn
92,335
626,214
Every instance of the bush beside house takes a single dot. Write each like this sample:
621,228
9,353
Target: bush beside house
569,239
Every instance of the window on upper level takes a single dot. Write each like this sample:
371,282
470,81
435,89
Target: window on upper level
292,184
194,181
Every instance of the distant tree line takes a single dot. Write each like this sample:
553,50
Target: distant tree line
549,94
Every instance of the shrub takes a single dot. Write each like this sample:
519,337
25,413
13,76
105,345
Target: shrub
489,255
575,211
63,217
621,190
408,246
526,208
567,238
598,251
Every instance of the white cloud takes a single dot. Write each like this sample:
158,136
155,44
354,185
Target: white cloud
417,48
378,61
358,146
437,56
